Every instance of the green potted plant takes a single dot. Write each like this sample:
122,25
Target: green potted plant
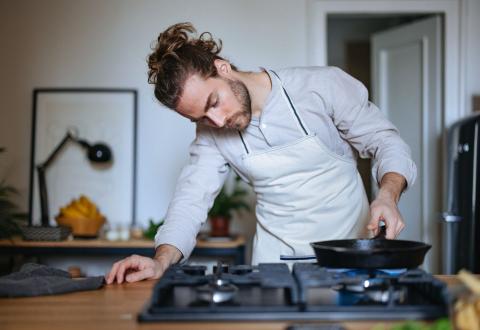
10,218
152,229
222,210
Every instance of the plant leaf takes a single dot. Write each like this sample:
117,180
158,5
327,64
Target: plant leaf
10,218
224,204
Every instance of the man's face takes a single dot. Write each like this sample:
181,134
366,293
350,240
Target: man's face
217,102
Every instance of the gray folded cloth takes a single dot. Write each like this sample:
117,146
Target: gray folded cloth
38,280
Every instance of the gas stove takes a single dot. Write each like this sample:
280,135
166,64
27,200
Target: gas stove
308,292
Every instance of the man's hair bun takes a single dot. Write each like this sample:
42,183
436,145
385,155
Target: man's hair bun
177,42
178,54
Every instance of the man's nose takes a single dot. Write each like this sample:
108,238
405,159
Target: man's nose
217,117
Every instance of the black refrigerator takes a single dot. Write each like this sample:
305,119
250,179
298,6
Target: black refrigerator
461,222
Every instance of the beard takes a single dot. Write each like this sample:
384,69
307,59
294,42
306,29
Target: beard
241,119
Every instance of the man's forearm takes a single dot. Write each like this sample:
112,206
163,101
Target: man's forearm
392,186
168,252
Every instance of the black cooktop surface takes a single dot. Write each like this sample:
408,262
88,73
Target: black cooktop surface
308,292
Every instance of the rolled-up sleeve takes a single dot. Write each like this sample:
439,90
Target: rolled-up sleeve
367,129
199,183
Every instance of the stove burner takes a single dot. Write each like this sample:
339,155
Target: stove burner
218,291
387,296
377,286
384,294
220,266
362,286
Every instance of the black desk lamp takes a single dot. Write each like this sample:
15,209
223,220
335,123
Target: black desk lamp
97,153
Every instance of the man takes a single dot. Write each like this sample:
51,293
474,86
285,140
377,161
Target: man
293,134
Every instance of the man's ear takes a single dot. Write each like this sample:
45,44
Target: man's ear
224,69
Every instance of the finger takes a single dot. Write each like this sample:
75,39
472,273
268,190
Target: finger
391,223
113,271
141,275
130,262
400,226
391,232
372,224
376,216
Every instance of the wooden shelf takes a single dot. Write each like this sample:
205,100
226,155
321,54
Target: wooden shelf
87,247
102,243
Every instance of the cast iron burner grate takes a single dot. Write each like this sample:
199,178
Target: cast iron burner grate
309,292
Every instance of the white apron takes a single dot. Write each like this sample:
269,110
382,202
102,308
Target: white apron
305,193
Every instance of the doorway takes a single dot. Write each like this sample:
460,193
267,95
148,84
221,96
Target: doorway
399,60
349,48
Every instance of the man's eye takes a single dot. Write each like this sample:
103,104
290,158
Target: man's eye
202,120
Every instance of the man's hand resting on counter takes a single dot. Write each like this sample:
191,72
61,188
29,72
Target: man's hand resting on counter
136,268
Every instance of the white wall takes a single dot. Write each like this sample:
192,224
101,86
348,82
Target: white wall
59,43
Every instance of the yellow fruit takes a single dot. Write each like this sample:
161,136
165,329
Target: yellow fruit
85,200
70,212
91,207
80,207
92,210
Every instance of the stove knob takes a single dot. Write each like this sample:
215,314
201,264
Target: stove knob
194,270
241,269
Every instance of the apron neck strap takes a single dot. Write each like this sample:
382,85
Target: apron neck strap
290,103
300,123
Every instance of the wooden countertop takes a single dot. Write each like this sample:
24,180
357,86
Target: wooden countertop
115,307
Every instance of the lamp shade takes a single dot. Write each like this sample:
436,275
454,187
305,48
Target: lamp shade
99,153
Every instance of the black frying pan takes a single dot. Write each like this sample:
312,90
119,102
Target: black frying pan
377,252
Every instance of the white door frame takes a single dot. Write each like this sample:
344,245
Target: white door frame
453,82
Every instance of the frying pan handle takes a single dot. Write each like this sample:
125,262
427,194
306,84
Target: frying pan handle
382,232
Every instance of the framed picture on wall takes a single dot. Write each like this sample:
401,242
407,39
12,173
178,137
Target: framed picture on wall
106,116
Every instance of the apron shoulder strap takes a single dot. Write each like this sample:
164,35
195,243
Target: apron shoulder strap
300,123
292,107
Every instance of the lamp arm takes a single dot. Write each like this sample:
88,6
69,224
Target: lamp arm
57,149
42,184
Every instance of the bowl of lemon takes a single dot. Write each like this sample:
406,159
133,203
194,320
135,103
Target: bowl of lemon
82,216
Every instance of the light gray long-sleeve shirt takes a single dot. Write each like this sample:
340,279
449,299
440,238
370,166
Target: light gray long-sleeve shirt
332,104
